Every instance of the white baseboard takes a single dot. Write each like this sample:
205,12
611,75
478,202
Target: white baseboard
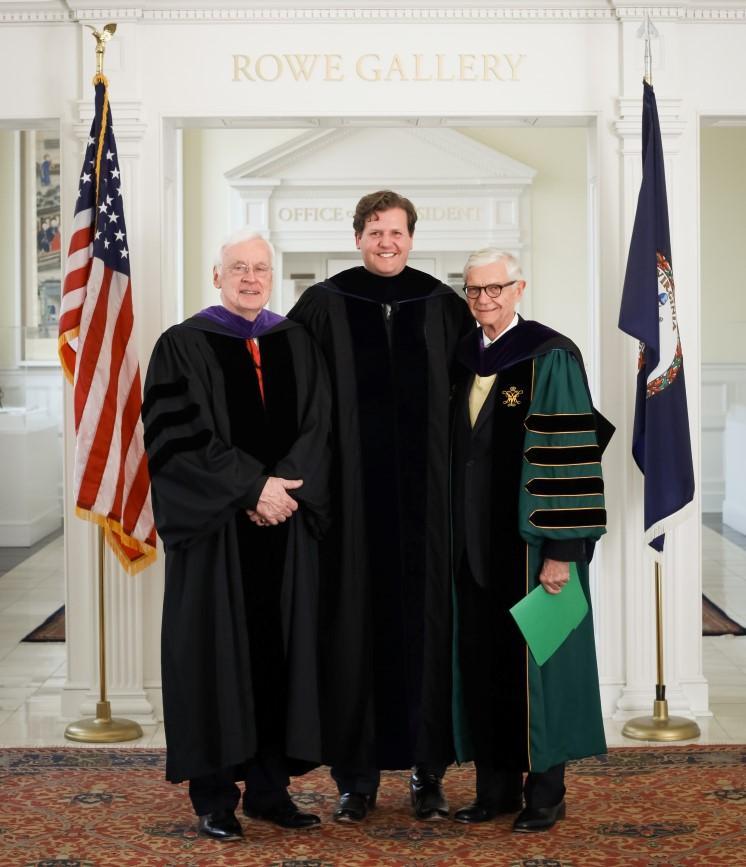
689,700
23,534
80,703
610,693
155,697
697,693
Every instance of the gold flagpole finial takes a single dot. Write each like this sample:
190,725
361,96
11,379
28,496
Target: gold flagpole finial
101,37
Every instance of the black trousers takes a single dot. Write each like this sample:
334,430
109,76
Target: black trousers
499,785
366,780
492,665
266,779
266,775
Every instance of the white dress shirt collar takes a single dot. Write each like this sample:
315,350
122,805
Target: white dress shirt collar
487,342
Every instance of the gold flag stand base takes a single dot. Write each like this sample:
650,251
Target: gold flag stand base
660,726
103,729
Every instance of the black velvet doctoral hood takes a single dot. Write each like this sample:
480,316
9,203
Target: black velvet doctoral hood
409,285
528,339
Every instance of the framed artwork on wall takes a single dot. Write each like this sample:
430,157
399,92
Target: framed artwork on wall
42,283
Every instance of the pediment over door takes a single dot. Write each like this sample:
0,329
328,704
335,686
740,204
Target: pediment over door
302,194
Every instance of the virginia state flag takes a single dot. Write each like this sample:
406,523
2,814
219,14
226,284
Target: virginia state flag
661,445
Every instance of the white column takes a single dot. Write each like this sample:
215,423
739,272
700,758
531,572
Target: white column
605,347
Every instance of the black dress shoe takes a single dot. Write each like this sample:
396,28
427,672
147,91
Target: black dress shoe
428,799
538,818
220,825
354,807
285,814
485,811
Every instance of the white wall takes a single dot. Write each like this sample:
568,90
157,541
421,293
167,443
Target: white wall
723,215
559,283
723,301
723,387
558,208
207,155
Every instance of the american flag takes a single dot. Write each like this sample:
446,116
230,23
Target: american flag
97,351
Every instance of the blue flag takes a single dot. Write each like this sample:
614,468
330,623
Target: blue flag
661,445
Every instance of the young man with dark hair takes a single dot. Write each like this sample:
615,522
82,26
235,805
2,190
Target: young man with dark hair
389,334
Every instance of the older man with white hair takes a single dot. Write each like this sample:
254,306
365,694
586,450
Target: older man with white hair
527,507
237,416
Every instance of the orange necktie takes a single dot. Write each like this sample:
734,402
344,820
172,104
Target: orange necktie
256,357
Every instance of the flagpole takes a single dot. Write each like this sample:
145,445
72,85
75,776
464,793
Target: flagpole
660,726
647,32
103,728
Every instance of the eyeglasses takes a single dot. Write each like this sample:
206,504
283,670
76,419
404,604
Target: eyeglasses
493,290
243,269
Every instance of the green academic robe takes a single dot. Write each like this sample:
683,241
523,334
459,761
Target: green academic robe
527,485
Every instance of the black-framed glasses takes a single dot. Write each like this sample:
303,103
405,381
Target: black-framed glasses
493,290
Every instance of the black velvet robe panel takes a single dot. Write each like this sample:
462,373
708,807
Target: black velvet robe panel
239,632
389,344
491,650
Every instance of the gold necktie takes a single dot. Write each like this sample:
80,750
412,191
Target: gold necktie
479,390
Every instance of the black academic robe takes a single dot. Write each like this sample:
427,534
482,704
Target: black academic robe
526,485
389,344
238,649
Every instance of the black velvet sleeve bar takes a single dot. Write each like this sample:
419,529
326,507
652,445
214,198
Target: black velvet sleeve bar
198,481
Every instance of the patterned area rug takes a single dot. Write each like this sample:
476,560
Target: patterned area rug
716,622
53,628
655,807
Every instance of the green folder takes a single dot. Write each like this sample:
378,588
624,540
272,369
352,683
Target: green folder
546,619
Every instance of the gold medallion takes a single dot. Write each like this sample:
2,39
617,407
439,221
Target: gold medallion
511,396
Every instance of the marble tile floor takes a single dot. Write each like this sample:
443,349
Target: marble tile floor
32,675
11,557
